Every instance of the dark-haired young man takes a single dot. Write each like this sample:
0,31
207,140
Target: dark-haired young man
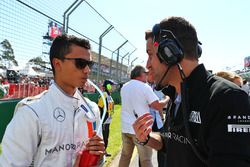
211,125
49,129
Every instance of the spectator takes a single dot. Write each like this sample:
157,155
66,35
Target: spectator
137,98
3,91
107,87
231,76
6,86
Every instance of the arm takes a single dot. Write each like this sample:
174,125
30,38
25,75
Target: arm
142,128
21,139
159,104
161,114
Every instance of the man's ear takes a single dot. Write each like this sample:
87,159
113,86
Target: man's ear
57,64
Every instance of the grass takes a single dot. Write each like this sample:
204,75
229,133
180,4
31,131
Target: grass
115,136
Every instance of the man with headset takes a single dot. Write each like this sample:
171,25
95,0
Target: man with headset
211,126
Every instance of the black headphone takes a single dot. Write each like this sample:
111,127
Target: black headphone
199,49
169,49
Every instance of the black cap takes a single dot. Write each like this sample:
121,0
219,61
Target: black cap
109,81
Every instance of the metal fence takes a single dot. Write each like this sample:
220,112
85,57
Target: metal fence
28,26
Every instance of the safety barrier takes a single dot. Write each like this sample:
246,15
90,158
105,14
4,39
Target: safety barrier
6,113
24,90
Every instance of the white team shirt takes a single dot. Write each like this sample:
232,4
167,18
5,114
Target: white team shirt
136,97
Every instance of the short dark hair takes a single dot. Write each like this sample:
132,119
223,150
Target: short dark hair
185,33
61,46
137,71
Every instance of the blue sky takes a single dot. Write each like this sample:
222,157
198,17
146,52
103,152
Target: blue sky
223,26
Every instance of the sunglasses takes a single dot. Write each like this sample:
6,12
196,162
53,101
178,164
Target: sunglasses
80,63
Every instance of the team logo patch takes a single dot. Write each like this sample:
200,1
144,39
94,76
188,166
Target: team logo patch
238,128
59,114
239,118
195,117
84,108
238,123
88,113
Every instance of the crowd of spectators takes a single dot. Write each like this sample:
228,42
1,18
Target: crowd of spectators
26,85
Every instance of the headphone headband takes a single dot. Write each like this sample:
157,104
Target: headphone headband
170,50
169,47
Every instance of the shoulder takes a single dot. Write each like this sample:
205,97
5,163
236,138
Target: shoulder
30,102
220,87
147,86
27,110
227,97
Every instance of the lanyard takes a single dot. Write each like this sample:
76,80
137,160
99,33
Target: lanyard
88,112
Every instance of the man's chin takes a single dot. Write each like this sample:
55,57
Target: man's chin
84,80
82,83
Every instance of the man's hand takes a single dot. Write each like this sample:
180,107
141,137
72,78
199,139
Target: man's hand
142,127
95,145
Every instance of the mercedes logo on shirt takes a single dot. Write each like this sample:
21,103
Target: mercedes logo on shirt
59,114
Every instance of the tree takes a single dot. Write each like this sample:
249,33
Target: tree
7,55
39,62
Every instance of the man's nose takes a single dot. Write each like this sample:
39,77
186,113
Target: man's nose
86,69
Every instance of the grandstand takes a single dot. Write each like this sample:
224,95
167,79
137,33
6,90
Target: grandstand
105,69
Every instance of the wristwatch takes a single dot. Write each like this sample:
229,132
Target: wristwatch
144,142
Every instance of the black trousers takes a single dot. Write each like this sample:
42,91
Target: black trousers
105,133
161,158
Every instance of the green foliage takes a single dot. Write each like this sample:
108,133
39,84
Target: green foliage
7,52
37,61
115,136
40,63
